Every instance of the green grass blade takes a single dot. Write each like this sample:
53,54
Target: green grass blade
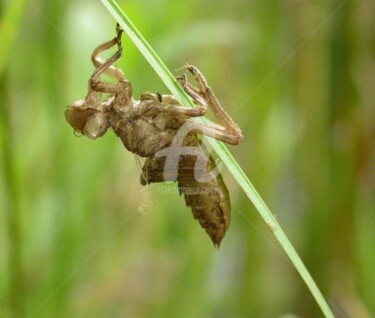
221,150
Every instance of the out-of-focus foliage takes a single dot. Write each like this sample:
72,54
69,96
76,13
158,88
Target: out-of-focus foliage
80,237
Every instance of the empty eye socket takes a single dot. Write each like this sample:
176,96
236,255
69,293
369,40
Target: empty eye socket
78,117
96,126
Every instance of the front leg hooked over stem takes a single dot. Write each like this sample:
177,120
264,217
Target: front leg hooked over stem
99,62
107,66
229,131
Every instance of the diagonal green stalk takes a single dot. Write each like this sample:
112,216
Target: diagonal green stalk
221,150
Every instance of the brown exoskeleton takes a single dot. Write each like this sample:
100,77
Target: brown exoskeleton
158,128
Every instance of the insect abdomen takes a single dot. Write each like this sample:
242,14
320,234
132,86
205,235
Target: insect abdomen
208,200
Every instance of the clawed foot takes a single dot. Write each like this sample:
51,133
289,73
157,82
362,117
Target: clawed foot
199,78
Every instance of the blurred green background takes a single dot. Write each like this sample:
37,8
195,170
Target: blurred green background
80,237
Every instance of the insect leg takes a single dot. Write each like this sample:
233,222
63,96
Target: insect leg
229,131
193,92
172,107
185,111
122,86
215,131
98,61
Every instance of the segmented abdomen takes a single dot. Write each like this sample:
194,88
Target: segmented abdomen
208,199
